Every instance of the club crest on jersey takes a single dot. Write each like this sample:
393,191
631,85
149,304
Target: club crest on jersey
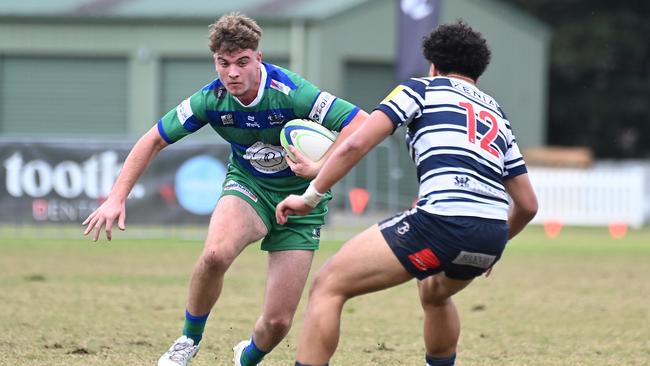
275,118
227,119
220,92
404,228
461,181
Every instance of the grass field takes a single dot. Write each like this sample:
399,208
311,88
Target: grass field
579,299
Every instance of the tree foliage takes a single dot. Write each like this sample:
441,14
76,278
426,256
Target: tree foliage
599,93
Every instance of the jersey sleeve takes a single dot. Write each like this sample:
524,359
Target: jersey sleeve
322,107
188,117
404,103
514,164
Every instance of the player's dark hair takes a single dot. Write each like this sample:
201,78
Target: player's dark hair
457,48
234,32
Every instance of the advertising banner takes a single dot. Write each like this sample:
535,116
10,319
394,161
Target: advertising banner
417,18
64,181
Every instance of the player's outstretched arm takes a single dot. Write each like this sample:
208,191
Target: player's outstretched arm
342,159
524,203
114,208
305,168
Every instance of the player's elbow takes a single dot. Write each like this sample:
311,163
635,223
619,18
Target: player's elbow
527,208
354,147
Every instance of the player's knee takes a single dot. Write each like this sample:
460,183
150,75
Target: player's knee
325,288
215,260
278,324
433,293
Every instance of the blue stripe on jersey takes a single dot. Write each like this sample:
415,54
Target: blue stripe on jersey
388,111
349,118
451,171
161,131
454,160
270,118
463,191
415,99
213,85
193,124
418,85
457,199
275,73
452,90
478,157
515,171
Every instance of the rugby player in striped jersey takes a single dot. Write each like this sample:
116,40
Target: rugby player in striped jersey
474,195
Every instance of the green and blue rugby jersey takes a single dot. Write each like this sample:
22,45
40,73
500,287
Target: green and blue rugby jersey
253,131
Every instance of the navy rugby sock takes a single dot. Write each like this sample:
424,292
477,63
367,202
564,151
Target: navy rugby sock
446,361
194,326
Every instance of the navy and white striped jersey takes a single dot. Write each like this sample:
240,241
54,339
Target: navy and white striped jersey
461,142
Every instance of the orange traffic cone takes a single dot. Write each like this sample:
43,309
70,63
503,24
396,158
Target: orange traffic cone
358,200
552,228
617,229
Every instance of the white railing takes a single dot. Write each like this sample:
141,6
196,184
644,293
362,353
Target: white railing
597,196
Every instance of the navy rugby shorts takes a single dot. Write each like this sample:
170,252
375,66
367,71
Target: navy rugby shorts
462,247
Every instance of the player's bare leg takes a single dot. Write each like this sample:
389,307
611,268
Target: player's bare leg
441,320
233,225
364,264
287,274
222,246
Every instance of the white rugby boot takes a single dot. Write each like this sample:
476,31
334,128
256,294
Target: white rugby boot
180,353
238,350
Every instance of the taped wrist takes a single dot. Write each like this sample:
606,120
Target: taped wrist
311,196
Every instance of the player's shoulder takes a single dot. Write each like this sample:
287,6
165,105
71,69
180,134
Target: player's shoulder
281,79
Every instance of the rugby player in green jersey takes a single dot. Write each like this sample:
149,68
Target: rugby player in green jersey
247,105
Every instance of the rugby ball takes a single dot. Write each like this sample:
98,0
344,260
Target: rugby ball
310,138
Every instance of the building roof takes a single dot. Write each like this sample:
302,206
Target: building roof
187,9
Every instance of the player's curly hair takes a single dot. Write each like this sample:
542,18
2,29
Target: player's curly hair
234,32
457,48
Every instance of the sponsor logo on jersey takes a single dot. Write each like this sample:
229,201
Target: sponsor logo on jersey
184,111
424,259
266,158
283,88
253,124
473,92
231,185
321,107
227,119
478,260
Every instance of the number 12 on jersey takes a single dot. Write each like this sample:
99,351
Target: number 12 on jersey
490,136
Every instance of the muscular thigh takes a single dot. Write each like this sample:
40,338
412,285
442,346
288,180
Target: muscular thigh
364,264
234,224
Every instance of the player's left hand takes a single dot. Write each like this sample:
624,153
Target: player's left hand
292,205
302,166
